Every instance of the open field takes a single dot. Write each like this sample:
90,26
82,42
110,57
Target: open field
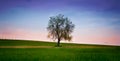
45,51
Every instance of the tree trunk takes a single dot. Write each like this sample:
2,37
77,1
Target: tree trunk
58,43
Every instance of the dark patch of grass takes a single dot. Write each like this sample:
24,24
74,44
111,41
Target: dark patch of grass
5,42
8,42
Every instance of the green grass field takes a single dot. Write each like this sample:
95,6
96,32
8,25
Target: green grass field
68,52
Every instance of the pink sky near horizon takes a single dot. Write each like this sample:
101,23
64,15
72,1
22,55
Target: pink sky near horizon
79,36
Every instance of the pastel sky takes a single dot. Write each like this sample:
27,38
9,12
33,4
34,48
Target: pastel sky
96,21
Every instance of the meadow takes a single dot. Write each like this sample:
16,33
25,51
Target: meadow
68,52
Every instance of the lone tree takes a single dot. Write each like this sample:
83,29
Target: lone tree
60,28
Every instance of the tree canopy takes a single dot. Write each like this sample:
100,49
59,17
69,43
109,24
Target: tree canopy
60,27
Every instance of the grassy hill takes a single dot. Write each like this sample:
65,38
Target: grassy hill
6,42
68,52
9,42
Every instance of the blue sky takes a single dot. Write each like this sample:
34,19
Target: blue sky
96,21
